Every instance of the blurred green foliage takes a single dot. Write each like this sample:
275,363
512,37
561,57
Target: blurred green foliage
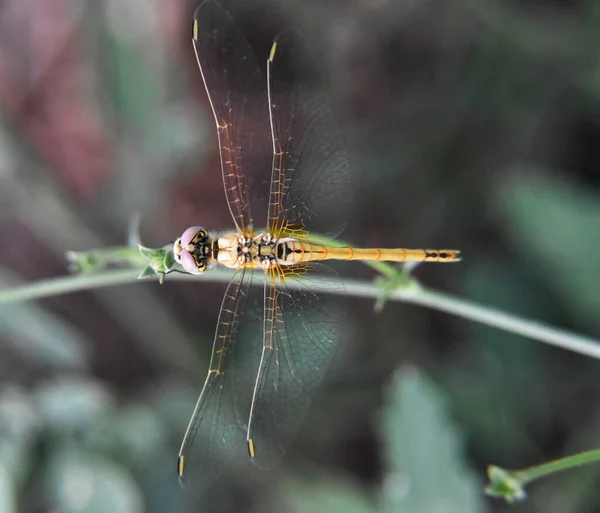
552,222
425,468
425,460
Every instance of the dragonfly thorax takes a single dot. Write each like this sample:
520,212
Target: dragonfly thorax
236,250
197,250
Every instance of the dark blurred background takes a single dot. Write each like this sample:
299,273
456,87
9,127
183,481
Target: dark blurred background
472,124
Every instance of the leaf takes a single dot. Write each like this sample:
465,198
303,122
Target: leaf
148,272
40,336
8,499
160,261
72,403
328,497
555,226
135,92
135,433
21,422
85,483
426,469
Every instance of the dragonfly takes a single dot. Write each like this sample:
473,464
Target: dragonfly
274,342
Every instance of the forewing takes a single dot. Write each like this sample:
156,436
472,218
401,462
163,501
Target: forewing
310,185
237,92
303,325
215,437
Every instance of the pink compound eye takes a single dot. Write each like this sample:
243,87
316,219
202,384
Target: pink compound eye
190,233
188,262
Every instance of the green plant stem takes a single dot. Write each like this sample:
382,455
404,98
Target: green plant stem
575,460
510,484
67,285
514,324
412,294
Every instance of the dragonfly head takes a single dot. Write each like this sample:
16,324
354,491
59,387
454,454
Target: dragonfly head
193,250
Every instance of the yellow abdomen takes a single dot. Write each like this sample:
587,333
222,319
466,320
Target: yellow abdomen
293,251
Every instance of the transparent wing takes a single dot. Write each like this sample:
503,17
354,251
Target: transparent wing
215,436
303,324
310,184
236,90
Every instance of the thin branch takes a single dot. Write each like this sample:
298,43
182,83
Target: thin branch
510,484
414,293
512,323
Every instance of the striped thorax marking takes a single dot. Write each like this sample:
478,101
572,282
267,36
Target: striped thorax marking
263,250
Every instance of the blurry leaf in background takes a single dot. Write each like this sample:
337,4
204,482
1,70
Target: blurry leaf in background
328,497
426,470
8,501
72,403
135,434
134,89
40,336
88,483
19,425
147,89
144,435
555,224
